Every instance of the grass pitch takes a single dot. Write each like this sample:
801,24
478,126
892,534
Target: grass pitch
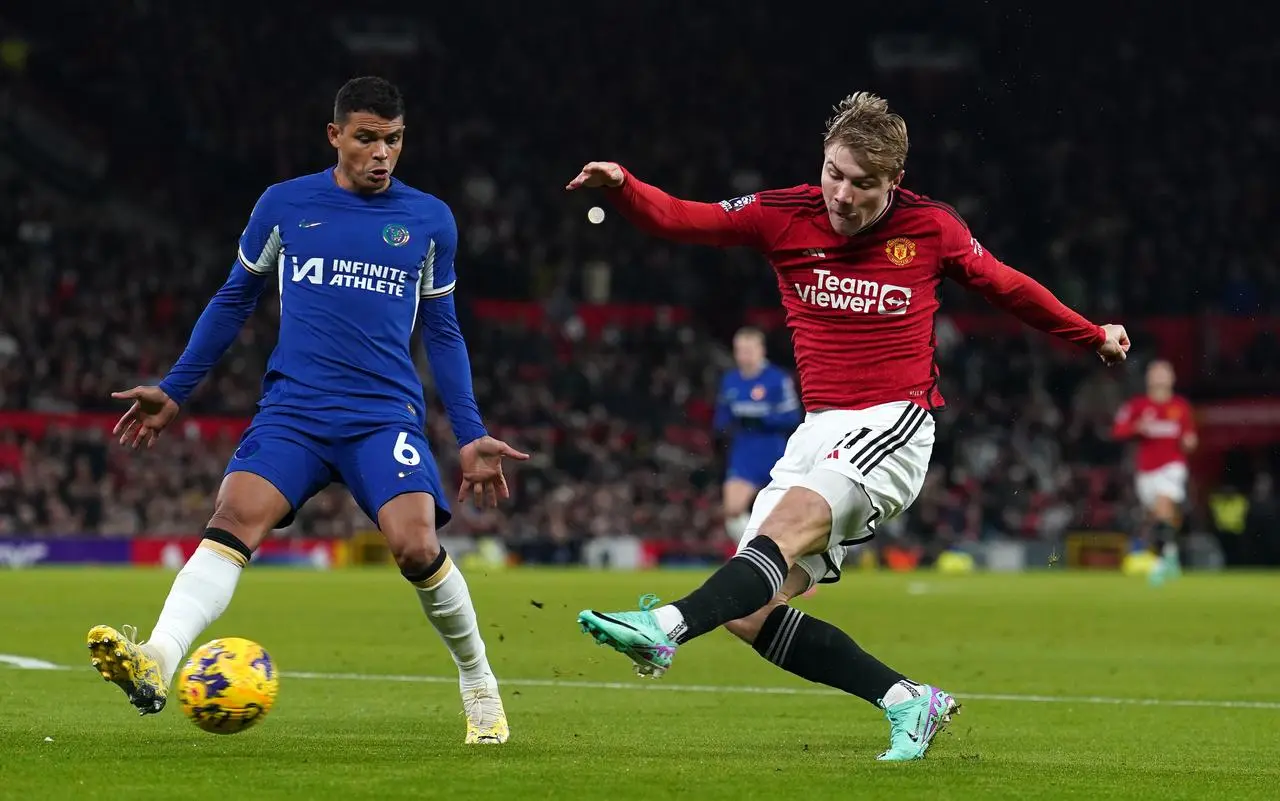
1074,686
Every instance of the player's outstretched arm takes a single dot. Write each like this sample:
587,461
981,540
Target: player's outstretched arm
966,261
480,454
1125,425
155,407
217,328
659,214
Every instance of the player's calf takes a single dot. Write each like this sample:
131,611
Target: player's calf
408,522
818,651
748,628
247,508
1164,535
797,526
738,495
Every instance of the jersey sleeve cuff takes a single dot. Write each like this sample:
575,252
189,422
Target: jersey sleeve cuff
169,389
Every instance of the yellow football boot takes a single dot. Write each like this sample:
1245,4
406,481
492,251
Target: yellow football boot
486,719
120,660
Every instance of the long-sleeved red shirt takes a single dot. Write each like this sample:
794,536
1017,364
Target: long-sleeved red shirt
860,308
1159,428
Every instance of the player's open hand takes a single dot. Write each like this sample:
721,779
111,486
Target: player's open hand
151,411
482,476
596,174
1115,348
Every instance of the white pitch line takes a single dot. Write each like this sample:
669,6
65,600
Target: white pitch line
639,684
28,663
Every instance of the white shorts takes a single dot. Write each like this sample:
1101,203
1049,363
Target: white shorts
1169,481
882,451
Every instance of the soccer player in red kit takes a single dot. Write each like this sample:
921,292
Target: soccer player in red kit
859,260
1164,428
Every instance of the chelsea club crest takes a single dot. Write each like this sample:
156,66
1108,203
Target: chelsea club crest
395,235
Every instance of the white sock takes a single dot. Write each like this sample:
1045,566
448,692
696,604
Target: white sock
200,593
1171,551
670,620
902,691
447,602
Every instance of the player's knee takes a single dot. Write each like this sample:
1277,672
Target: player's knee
416,557
1164,508
410,529
247,528
248,506
800,523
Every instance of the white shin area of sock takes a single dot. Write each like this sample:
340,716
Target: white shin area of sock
200,593
670,620
449,608
902,691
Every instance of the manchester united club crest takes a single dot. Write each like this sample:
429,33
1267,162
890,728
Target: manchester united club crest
900,250
758,392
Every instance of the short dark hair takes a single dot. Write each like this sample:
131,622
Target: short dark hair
369,94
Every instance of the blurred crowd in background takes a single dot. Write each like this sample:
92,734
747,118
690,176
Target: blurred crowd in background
1132,179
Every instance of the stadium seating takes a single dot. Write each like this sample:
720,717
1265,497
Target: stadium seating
102,275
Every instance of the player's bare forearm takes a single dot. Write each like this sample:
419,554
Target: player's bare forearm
659,214
217,328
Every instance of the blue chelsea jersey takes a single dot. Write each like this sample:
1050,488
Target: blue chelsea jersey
352,270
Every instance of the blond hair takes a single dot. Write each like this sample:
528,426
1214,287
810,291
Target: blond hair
878,137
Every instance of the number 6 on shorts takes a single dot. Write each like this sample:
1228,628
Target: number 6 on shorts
374,479
405,453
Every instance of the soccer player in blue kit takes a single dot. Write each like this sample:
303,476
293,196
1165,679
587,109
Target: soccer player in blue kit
758,408
359,258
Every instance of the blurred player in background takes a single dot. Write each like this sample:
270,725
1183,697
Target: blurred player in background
758,409
360,259
859,260
1163,426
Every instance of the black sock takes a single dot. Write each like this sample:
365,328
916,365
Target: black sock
818,651
1162,533
745,584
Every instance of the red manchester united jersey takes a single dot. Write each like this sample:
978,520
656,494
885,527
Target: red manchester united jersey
1159,429
860,308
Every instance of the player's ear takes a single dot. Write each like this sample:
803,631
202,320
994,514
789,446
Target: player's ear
897,179
333,129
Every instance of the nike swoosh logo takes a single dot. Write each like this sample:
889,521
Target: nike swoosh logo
305,224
